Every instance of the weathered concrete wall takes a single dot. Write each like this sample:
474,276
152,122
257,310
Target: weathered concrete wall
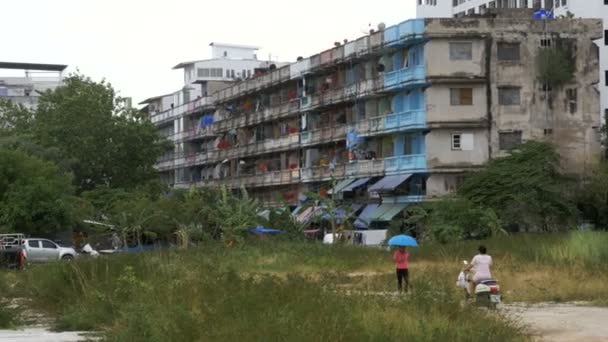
440,110
440,184
441,156
540,115
438,63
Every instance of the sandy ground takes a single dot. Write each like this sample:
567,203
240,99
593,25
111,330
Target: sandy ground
562,322
39,335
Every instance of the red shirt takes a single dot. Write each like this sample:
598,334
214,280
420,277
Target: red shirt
401,259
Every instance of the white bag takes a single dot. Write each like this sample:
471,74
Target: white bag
462,281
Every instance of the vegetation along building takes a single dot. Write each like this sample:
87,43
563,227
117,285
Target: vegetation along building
394,117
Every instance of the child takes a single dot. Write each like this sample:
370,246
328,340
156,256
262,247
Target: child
401,258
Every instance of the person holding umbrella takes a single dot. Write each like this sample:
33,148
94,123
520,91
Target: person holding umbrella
401,258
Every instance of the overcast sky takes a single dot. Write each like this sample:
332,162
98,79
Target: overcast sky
135,43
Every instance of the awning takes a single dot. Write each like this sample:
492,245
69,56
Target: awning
305,215
363,221
341,185
356,184
391,212
381,210
389,183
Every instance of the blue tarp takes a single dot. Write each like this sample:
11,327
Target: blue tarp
263,230
389,183
353,139
543,14
206,120
363,220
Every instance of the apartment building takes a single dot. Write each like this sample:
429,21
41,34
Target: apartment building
178,115
394,117
575,8
23,83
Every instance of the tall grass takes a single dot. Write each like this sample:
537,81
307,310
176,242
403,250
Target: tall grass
218,294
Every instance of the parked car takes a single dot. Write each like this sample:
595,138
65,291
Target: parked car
12,253
42,250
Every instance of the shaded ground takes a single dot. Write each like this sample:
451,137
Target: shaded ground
562,322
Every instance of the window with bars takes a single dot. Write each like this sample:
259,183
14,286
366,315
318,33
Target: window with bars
508,52
508,141
509,96
461,51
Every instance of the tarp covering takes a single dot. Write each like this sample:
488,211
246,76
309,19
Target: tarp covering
363,220
359,182
389,183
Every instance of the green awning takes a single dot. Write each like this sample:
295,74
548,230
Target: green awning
383,208
392,212
341,185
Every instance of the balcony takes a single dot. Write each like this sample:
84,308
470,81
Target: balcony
408,120
323,135
365,168
283,177
414,76
322,173
178,111
406,163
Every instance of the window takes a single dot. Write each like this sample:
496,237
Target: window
509,96
571,100
227,73
202,72
605,37
606,74
48,244
508,52
508,141
33,244
461,96
461,51
545,42
462,141
225,53
456,142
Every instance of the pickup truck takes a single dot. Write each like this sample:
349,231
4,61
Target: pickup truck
42,250
12,253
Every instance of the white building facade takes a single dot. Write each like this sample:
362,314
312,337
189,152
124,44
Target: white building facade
577,8
23,83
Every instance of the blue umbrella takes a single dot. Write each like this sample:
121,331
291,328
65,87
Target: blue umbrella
263,230
403,241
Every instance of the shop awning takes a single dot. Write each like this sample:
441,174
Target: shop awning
359,182
363,221
389,183
341,185
392,212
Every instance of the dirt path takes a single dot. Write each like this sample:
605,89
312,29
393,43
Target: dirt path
39,335
562,322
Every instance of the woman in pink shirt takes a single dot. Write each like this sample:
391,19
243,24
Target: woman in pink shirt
401,258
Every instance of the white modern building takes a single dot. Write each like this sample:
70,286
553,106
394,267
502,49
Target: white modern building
577,8
23,83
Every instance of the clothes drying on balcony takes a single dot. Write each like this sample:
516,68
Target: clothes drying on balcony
389,183
341,185
364,218
356,184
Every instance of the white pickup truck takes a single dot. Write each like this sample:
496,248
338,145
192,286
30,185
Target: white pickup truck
42,250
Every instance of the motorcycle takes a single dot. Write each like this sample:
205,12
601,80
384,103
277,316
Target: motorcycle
486,293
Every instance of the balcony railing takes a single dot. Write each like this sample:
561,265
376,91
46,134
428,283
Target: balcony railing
365,168
182,109
406,163
412,119
322,135
404,78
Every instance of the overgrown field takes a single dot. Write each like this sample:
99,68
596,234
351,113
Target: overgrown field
302,292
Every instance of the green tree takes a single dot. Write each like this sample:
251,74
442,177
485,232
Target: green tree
109,144
15,118
593,196
35,197
524,188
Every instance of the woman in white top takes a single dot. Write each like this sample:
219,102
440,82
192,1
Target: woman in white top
480,265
